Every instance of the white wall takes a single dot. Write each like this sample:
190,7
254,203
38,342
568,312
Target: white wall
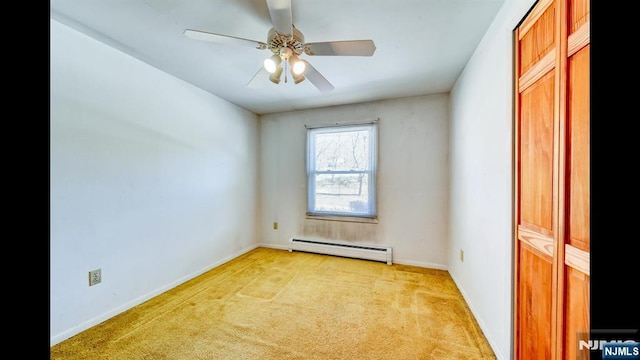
481,179
413,178
152,180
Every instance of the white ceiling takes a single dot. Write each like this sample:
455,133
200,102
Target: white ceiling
421,45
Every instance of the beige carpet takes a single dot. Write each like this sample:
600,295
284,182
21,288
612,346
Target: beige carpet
273,304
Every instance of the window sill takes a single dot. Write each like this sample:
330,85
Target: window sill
343,218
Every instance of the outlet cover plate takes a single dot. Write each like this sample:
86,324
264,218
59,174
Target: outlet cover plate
95,277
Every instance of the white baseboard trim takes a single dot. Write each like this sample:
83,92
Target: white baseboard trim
421,264
483,327
274,246
109,314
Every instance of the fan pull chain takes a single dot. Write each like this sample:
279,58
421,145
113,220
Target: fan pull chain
286,63
286,71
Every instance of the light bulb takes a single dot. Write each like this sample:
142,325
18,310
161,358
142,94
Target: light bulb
270,65
298,67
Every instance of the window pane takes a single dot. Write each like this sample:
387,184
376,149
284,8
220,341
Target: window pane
342,151
342,193
341,169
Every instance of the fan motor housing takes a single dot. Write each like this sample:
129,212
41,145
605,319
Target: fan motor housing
277,41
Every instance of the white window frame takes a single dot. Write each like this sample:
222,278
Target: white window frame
371,213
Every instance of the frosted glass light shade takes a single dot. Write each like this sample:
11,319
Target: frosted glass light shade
270,65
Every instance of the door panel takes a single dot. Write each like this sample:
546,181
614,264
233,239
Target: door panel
576,313
536,36
534,341
578,150
536,155
579,11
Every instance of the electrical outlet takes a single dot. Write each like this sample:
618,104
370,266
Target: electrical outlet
461,255
275,225
95,277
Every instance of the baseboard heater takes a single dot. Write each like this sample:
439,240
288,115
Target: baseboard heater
342,248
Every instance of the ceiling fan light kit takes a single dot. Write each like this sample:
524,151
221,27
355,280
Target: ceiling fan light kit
287,44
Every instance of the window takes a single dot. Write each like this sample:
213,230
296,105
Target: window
341,171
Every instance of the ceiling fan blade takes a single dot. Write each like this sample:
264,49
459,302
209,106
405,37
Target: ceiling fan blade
223,39
341,48
317,79
281,16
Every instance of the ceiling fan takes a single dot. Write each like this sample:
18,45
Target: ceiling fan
287,44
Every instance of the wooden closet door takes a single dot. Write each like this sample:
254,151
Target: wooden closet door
536,196
575,208
552,181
